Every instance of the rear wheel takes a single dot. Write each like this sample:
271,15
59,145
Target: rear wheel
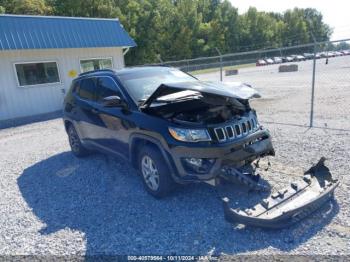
75,144
155,172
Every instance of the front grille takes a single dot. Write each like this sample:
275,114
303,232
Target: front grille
229,131
220,134
238,130
242,127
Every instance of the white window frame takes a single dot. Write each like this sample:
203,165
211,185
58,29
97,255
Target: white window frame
37,62
95,58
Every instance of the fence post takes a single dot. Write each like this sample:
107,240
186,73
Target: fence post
220,62
313,86
160,59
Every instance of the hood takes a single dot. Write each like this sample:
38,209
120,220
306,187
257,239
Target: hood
226,89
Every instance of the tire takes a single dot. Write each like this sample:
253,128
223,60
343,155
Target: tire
155,172
75,144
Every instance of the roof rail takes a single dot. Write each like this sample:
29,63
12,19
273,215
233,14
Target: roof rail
96,71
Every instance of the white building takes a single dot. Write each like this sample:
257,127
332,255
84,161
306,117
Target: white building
39,56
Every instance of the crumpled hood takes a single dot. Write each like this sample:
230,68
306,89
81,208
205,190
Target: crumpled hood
228,89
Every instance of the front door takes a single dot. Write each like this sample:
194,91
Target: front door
114,127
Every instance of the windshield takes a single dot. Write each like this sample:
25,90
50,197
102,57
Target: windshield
141,84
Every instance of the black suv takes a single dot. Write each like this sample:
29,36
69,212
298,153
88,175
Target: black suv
172,127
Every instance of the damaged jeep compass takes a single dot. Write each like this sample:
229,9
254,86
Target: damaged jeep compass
172,127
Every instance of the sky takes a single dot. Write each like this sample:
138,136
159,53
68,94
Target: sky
336,13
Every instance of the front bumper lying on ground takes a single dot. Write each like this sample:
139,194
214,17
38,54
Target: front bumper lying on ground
289,205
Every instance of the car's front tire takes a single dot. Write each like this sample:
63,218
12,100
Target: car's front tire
155,172
75,143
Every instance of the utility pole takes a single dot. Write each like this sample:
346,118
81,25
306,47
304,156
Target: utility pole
217,50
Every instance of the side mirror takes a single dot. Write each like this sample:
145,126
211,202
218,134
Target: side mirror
113,101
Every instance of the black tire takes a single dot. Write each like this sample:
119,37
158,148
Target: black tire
165,182
75,144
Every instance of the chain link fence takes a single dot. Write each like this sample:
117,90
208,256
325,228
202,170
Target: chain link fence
306,85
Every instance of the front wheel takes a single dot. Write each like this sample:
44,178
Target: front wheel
155,173
75,144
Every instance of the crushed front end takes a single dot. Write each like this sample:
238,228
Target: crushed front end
214,134
211,126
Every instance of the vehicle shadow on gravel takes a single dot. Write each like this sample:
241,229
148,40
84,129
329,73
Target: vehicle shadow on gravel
104,199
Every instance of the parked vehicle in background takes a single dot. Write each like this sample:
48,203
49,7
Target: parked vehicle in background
277,60
323,54
293,57
298,58
269,61
287,59
346,52
308,56
261,62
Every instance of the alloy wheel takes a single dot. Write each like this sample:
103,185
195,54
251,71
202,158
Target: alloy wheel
150,173
74,140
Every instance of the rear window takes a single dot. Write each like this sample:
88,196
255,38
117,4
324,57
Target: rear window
87,89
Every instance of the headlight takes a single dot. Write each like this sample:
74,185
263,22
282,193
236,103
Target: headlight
189,135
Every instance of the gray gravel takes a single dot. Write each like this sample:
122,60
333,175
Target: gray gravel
54,203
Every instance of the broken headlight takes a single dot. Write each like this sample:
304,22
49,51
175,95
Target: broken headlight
189,135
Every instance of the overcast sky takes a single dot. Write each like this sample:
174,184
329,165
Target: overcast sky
336,13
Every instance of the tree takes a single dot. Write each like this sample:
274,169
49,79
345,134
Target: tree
86,8
315,24
28,7
179,29
341,46
2,10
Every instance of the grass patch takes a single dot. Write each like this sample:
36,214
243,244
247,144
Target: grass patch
214,69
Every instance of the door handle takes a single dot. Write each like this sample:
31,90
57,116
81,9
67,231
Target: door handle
95,111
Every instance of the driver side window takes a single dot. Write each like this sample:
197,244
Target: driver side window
106,87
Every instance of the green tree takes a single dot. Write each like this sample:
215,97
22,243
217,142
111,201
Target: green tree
259,30
339,46
315,24
28,7
178,29
86,8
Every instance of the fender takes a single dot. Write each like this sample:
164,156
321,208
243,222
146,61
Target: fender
161,148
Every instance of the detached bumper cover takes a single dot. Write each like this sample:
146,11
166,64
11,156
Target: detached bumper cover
289,205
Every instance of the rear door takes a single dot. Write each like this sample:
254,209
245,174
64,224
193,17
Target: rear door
85,108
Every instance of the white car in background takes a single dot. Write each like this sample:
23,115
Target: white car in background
269,61
277,60
261,62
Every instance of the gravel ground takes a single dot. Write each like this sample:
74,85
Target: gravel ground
54,203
